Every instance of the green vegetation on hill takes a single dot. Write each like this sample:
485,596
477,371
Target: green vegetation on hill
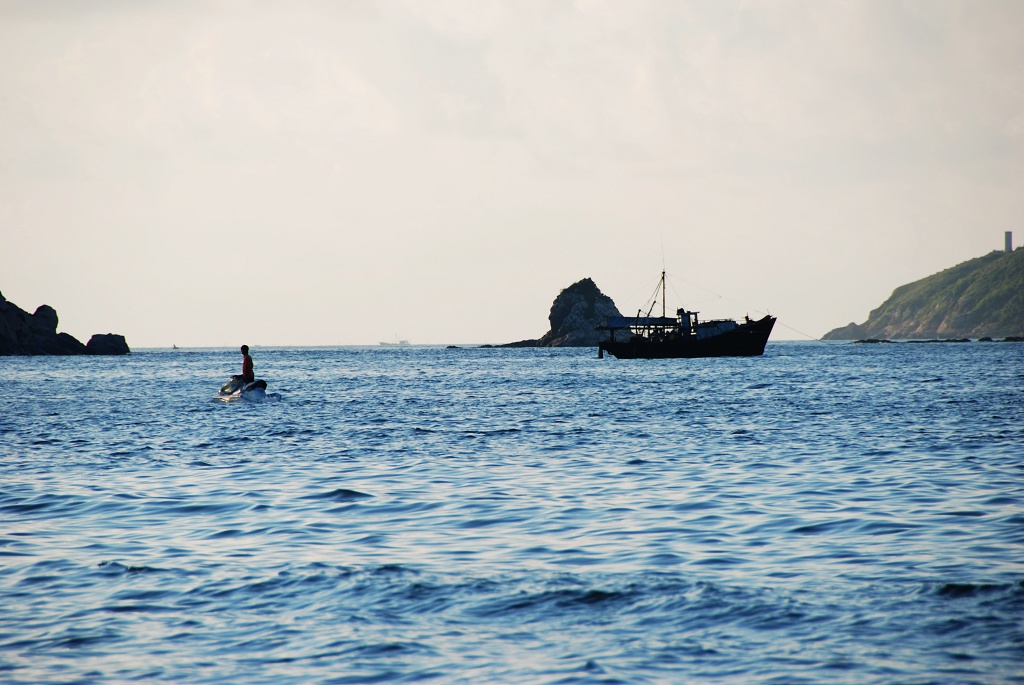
981,297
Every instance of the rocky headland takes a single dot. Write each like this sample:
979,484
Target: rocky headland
575,315
22,333
980,298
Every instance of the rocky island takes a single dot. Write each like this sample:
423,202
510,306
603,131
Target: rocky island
980,298
22,333
575,315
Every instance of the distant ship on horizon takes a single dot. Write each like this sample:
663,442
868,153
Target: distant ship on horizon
396,343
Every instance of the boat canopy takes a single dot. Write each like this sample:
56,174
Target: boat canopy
614,322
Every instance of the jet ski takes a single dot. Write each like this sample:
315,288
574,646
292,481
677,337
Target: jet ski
254,391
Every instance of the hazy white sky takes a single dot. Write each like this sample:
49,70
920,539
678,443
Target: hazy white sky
319,173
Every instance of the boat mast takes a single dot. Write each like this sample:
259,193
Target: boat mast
663,293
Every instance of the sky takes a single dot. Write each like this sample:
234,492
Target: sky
342,173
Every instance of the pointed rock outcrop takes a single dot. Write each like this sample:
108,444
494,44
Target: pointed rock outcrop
575,315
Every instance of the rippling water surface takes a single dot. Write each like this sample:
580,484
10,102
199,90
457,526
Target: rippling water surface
823,514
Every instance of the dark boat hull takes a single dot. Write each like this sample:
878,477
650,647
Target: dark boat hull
746,340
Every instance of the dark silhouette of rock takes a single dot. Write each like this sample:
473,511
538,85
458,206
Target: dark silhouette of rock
533,342
107,343
22,333
575,315
46,317
851,331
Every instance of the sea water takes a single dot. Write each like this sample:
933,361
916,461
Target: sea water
826,513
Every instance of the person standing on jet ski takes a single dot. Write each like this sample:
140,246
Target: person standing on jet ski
248,376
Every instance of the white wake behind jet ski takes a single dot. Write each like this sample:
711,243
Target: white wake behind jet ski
254,391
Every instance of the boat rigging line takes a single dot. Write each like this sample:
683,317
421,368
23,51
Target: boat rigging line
741,304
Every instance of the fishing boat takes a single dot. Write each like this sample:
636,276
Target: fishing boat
683,337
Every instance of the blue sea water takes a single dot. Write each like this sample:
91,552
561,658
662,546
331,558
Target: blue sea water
826,513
